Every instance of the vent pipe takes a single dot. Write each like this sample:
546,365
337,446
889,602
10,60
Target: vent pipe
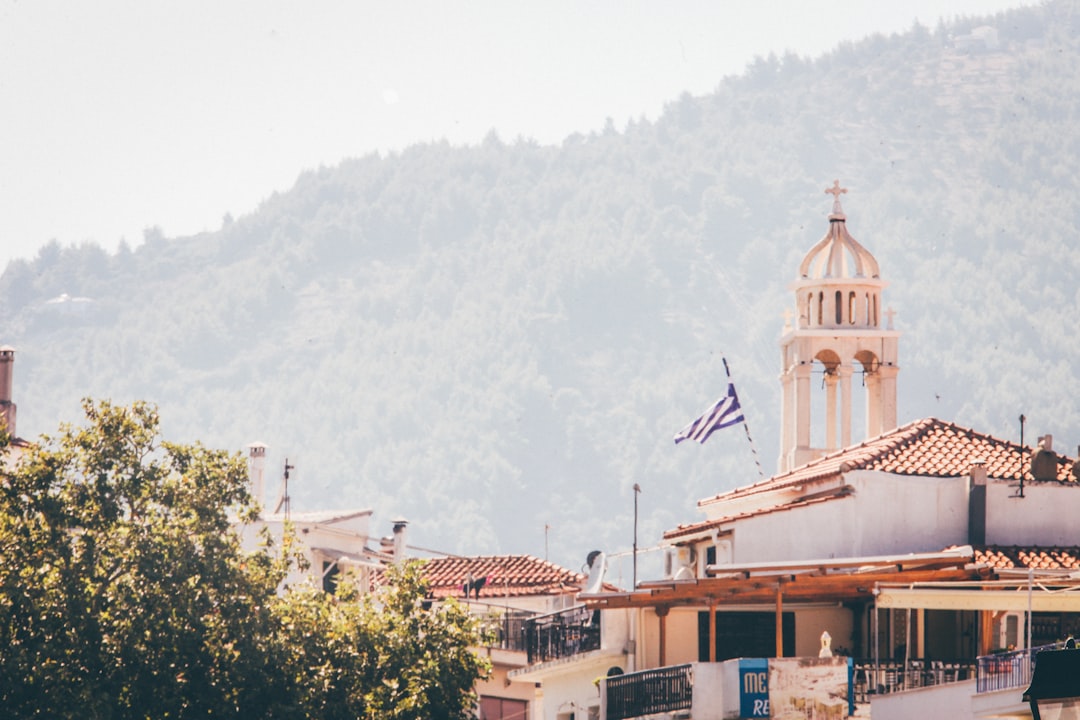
400,526
257,471
7,370
1044,462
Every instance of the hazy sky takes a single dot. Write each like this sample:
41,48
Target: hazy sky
116,116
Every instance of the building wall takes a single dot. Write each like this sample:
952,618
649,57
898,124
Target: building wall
682,636
572,693
499,686
1046,515
811,622
951,700
886,514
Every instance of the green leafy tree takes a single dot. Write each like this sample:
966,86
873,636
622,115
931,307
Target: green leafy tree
392,655
125,593
123,589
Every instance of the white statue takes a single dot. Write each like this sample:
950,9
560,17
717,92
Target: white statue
826,640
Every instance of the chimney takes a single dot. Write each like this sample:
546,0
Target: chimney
257,471
7,370
399,539
977,503
1044,462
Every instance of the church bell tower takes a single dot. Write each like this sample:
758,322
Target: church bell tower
837,332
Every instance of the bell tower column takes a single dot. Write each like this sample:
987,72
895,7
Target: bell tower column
887,387
802,413
844,371
831,381
787,412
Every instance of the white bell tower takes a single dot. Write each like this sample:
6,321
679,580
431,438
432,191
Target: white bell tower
837,330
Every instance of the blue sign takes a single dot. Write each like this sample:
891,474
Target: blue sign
753,688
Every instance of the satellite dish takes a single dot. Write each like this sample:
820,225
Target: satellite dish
597,563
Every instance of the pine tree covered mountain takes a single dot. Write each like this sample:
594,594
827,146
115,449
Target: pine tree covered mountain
491,339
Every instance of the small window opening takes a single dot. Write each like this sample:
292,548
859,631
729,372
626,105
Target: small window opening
330,573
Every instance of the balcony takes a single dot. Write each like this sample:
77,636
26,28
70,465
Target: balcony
649,692
562,634
1008,670
507,631
891,676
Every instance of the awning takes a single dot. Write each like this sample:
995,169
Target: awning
987,596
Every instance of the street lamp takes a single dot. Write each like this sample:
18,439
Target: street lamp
1054,693
637,491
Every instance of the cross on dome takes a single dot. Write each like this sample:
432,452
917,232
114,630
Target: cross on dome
836,191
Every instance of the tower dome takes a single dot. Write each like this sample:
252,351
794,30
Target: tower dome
838,255
839,283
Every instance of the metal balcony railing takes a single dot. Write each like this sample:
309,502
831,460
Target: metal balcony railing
890,676
650,691
562,634
1008,670
507,630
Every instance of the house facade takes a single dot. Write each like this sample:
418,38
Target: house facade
523,602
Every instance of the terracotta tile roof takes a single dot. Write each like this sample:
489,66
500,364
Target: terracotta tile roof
928,447
507,575
1004,557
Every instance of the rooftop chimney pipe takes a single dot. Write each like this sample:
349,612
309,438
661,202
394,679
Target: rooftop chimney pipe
7,370
257,471
400,526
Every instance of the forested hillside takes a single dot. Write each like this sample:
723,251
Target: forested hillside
491,339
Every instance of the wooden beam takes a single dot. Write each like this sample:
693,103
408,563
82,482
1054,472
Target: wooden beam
832,587
779,621
662,613
712,631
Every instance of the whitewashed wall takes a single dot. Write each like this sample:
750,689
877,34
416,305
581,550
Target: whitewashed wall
886,514
1046,515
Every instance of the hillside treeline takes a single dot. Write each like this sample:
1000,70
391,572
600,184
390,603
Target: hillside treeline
496,338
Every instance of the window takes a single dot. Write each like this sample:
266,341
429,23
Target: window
851,307
492,708
745,634
330,573
839,310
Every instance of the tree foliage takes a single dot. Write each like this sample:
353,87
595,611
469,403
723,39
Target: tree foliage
124,593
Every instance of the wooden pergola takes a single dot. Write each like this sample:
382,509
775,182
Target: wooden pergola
797,582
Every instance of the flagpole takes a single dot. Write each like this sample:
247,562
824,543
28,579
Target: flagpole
746,427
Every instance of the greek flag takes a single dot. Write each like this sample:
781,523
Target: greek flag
725,413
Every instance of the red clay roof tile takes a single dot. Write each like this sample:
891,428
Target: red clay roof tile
506,575
1002,557
924,447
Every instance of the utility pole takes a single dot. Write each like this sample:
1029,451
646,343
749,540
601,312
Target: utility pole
637,491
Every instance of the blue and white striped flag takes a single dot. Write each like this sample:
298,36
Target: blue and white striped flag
725,413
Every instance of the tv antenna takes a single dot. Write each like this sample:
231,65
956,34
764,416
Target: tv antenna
284,501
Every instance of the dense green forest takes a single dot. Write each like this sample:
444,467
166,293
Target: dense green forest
494,338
